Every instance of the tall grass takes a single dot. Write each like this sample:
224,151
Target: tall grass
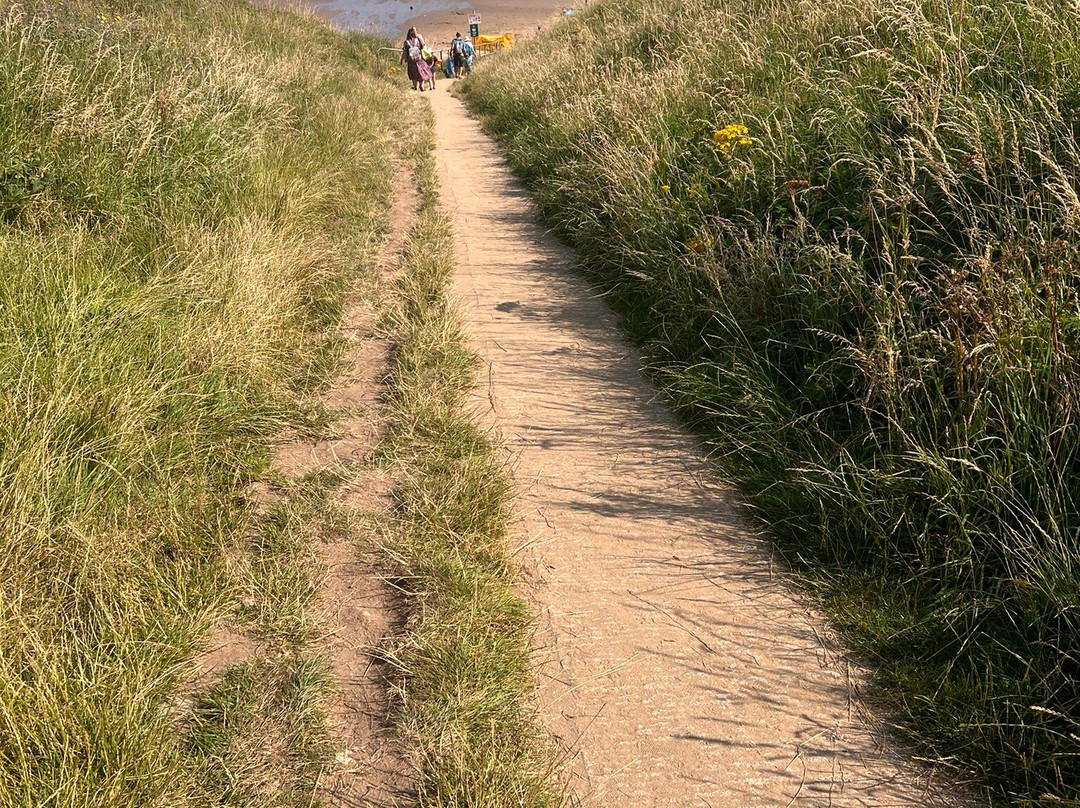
185,191
868,303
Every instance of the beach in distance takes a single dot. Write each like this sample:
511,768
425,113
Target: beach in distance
439,20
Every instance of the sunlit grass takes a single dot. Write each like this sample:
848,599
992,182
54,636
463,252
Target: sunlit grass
847,237
186,192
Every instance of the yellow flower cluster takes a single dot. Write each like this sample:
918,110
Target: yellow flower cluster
729,137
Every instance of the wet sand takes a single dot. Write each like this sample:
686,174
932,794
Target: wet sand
439,20
518,17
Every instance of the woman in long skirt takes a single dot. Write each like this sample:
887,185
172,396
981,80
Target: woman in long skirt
412,54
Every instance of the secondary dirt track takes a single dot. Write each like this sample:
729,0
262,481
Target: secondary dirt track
677,667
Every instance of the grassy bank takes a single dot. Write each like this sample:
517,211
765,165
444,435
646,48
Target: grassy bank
466,694
186,190
847,236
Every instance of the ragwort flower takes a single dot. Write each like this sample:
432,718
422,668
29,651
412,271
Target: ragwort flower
731,136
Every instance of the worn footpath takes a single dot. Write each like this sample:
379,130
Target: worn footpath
678,668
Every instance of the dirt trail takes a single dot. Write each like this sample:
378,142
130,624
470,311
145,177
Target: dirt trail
679,669
359,609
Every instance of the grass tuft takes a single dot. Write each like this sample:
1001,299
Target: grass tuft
466,695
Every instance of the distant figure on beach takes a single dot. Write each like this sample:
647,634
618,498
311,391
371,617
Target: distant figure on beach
459,53
412,54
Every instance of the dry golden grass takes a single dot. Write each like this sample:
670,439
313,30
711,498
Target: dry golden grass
187,193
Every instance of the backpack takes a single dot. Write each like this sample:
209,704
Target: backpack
415,54
459,47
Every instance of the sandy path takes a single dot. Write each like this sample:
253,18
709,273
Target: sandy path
678,668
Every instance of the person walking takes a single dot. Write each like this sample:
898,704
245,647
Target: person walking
412,55
457,54
432,63
470,54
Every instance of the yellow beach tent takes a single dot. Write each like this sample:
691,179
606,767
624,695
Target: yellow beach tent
492,43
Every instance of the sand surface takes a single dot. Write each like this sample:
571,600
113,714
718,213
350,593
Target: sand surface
678,667
523,18
439,20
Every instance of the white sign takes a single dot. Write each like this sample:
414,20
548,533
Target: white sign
474,19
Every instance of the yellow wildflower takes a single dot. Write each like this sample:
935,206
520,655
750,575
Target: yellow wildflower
691,192
666,189
697,245
729,137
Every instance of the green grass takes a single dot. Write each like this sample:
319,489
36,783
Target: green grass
466,693
258,731
871,310
187,191
259,734
280,573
